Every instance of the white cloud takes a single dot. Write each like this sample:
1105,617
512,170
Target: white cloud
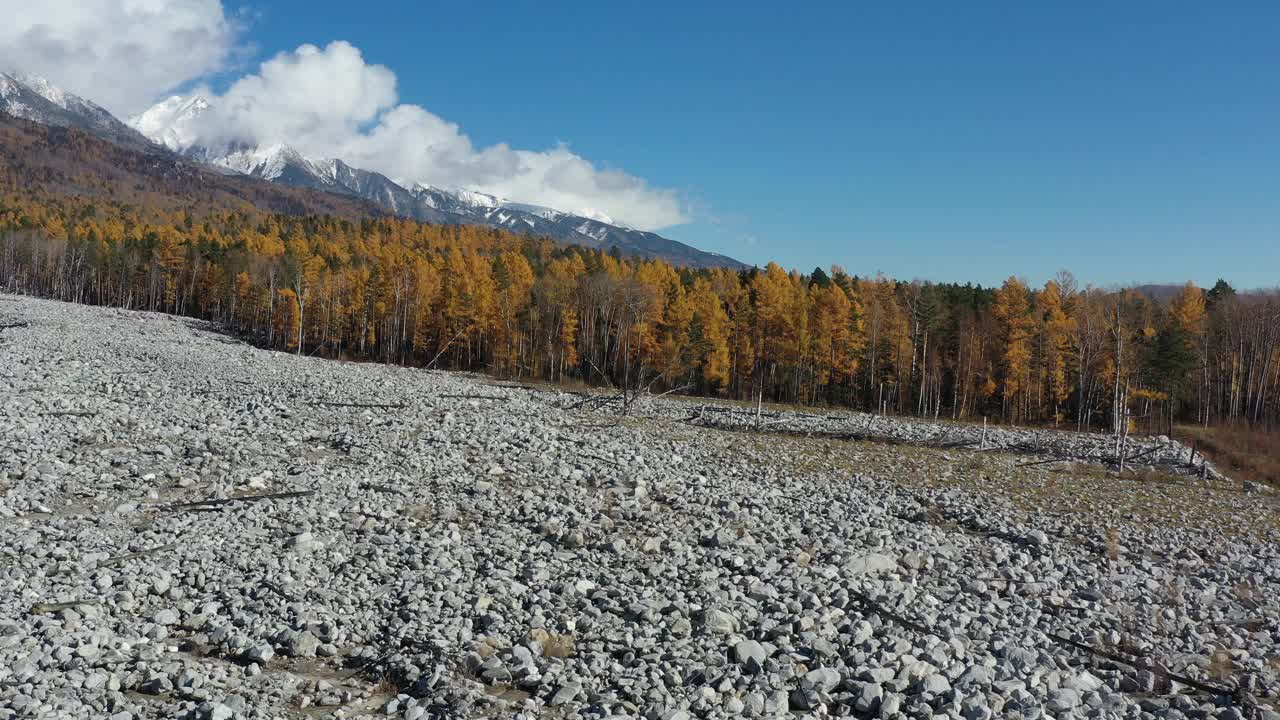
120,53
331,103
325,102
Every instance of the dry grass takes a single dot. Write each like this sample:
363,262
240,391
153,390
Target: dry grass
487,647
1113,544
421,514
1246,593
554,645
1242,452
1220,665
1087,488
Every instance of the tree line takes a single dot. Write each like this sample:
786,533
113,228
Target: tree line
461,297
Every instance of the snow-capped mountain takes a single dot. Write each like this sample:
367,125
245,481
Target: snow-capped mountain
176,125
34,98
172,122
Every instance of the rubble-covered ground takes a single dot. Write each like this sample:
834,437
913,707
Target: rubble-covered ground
192,527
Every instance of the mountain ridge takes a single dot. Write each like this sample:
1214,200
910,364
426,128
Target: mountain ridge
174,125
176,122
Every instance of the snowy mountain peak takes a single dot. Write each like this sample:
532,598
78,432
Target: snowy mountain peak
171,122
34,98
269,162
45,89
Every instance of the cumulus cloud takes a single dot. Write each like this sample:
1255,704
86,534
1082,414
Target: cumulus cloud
330,102
324,101
120,53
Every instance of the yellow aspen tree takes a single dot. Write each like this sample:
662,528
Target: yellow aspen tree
1013,311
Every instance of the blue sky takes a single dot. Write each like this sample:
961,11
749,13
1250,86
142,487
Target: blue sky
1127,142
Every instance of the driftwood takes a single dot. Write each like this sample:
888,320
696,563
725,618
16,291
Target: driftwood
368,664
1141,664
215,502
600,458
1144,453
134,556
597,401
277,590
1133,661
380,406
879,609
45,608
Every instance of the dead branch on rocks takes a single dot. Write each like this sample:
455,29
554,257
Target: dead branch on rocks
69,413
119,559
1134,661
1142,664
10,326
379,406
277,590
471,396
215,502
46,608
600,458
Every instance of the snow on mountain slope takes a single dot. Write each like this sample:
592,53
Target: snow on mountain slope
34,98
178,124
172,122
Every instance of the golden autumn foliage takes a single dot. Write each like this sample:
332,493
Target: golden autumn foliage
395,290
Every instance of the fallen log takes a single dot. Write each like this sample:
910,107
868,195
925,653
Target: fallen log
277,590
136,555
379,406
879,609
1141,664
615,463
1134,662
1144,453
46,608
215,502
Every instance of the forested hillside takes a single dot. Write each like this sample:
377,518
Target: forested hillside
85,221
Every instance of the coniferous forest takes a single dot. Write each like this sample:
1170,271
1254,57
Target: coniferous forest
83,221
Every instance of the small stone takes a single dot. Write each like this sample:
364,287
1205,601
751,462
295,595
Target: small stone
259,653
166,617
824,679
869,564
303,644
935,684
718,622
750,654
565,693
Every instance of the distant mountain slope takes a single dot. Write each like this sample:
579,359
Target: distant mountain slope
31,97
171,128
57,160
175,124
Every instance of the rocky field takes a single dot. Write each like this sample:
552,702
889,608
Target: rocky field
194,528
